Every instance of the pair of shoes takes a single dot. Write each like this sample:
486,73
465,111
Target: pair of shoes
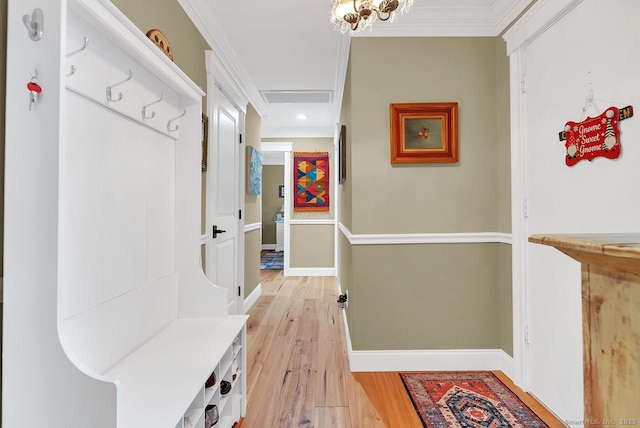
225,387
211,381
211,416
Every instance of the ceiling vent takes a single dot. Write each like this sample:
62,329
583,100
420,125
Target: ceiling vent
297,97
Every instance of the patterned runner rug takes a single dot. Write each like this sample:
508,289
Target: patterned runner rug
467,399
272,260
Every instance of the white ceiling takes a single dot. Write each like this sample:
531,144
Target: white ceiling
291,45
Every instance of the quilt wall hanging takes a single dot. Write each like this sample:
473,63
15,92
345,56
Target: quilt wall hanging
311,179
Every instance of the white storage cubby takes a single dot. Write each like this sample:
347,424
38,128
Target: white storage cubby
107,311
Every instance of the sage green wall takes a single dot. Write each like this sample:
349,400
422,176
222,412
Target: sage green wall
397,291
186,42
252,210
505,298
423,198
272,177
345,277
311,245
437,296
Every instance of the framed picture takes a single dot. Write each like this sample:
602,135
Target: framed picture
281,191
424,133
342,154
204,140
254,171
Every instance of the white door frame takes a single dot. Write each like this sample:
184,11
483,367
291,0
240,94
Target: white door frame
286,148
217,77
536,21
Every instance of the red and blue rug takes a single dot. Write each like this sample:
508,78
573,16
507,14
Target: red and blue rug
272,260
467,400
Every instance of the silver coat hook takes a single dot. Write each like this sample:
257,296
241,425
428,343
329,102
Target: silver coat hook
120,95
184,112
34,24
153,113
84,46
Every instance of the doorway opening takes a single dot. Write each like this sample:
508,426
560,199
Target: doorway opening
276,206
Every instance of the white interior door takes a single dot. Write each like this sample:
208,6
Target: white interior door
223,203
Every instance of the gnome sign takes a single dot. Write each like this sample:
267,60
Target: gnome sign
593,137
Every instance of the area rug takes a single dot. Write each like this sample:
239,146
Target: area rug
467,399
311,178
272,260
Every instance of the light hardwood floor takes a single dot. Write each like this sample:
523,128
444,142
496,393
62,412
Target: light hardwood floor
298,370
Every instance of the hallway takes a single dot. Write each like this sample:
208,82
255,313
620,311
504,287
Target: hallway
298,372
298,369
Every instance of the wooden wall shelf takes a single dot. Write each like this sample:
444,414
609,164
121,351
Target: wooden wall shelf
610,321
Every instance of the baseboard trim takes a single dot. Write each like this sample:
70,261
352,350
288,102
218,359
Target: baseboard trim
268,247
424,360
252,298
312,271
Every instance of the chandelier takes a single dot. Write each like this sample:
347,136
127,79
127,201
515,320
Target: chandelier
359,14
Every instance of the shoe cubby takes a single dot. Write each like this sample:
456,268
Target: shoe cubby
228,400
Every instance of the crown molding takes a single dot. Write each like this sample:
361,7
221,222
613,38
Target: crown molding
344,46
488,20
536,21
204,20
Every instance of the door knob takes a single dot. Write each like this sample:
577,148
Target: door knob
216,231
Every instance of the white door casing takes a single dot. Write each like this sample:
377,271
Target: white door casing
224,251
286,148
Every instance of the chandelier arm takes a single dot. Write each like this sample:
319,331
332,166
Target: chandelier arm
354,25
355,7
381,15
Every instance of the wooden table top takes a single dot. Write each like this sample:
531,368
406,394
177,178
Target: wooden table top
605,244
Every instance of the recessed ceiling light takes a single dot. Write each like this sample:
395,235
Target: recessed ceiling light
301,116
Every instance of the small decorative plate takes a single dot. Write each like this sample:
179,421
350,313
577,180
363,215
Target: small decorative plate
161,41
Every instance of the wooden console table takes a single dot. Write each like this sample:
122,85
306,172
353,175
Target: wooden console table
610,321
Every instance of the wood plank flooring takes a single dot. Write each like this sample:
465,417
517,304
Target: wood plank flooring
298,368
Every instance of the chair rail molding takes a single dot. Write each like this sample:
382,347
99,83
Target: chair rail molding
252,226
425,238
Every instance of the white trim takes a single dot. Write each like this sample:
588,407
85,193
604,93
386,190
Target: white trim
287,147
536,21
311,271
252,227
296,131
430,360
268,146
425,238
203,239
313,221
508,10
269,247
252,298
450,20
347,333
344,46
203,17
